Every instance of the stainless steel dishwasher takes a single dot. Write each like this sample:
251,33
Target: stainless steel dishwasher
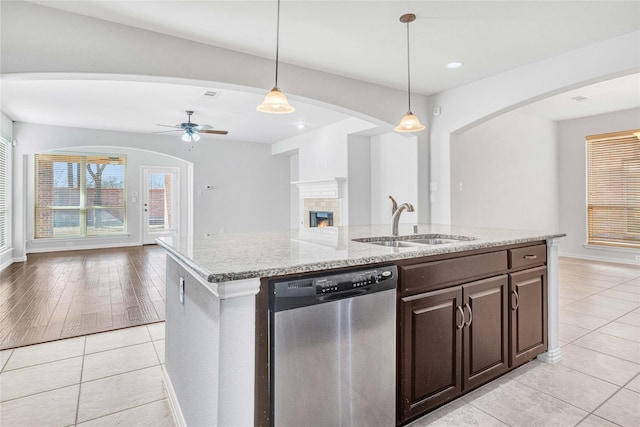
333,349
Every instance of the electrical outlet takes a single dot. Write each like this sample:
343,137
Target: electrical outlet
182,290
637,257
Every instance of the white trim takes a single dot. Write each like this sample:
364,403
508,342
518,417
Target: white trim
81,248
238,288
610,248
553,354
332,188
223,290
173,399
600,258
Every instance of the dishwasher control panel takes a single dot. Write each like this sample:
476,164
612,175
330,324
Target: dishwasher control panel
292,292
326,285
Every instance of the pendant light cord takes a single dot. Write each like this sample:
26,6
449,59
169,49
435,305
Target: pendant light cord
277,41
408,69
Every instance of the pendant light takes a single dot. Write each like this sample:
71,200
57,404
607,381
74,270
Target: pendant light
409,123
275,102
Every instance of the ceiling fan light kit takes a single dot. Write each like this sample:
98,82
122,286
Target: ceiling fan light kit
191,130
275,102
409,123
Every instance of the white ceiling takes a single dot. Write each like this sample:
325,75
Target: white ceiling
366,41
618,94
134,106
358,39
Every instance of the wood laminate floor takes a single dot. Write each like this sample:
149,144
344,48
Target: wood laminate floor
66,294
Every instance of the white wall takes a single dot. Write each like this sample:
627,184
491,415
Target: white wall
245,177
507,168
359,181
572,178
32,43
6,126
466,106
294,195
394,168
323,154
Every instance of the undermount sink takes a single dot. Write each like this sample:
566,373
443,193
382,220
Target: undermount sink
413,241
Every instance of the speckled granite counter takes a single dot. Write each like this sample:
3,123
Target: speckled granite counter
211,303
228,257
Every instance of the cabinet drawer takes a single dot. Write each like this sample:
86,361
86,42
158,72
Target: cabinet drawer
439,274
529,256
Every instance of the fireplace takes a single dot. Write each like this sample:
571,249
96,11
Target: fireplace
320,219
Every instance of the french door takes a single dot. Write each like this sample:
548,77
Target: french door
160,203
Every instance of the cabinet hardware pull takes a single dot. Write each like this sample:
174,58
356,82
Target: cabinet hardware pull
462,315
530,256
517,300
470,315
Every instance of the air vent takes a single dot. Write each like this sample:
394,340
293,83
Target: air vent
580,98
211,93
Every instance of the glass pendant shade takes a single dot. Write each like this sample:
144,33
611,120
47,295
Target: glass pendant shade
190,137
409,123
275,103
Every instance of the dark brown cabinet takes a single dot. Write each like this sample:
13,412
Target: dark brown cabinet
466,320
486,337
431,355
453,340
528,317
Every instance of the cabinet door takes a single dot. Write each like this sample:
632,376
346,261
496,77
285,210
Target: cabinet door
528,318
485,336
430,350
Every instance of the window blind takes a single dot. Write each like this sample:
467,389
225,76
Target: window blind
4,194
79,195
613,185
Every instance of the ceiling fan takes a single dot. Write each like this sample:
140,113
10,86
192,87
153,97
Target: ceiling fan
191,130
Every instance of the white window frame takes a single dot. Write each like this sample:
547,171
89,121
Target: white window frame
82,208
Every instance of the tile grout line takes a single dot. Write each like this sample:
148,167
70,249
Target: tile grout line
80,383
124,410
6,361
559,399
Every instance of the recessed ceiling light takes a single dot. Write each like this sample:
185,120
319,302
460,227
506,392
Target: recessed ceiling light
455,64
301,126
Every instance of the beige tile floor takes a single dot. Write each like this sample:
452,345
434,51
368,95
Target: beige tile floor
114,378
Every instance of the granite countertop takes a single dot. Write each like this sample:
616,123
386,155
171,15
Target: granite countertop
228,257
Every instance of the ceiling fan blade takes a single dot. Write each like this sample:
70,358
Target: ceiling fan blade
215,132
166,131
169,126
204,127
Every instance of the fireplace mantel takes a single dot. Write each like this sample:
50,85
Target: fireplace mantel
332,188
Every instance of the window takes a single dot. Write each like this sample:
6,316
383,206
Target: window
5,147
80,195
613,182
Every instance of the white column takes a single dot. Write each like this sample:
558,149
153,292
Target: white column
237,352
553,354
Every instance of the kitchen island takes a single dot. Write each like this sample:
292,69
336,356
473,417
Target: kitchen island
214,302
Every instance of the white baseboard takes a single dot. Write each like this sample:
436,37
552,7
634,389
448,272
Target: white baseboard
173,399
600,258
10,261
82,248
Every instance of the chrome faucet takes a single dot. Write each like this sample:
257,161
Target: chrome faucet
395,219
